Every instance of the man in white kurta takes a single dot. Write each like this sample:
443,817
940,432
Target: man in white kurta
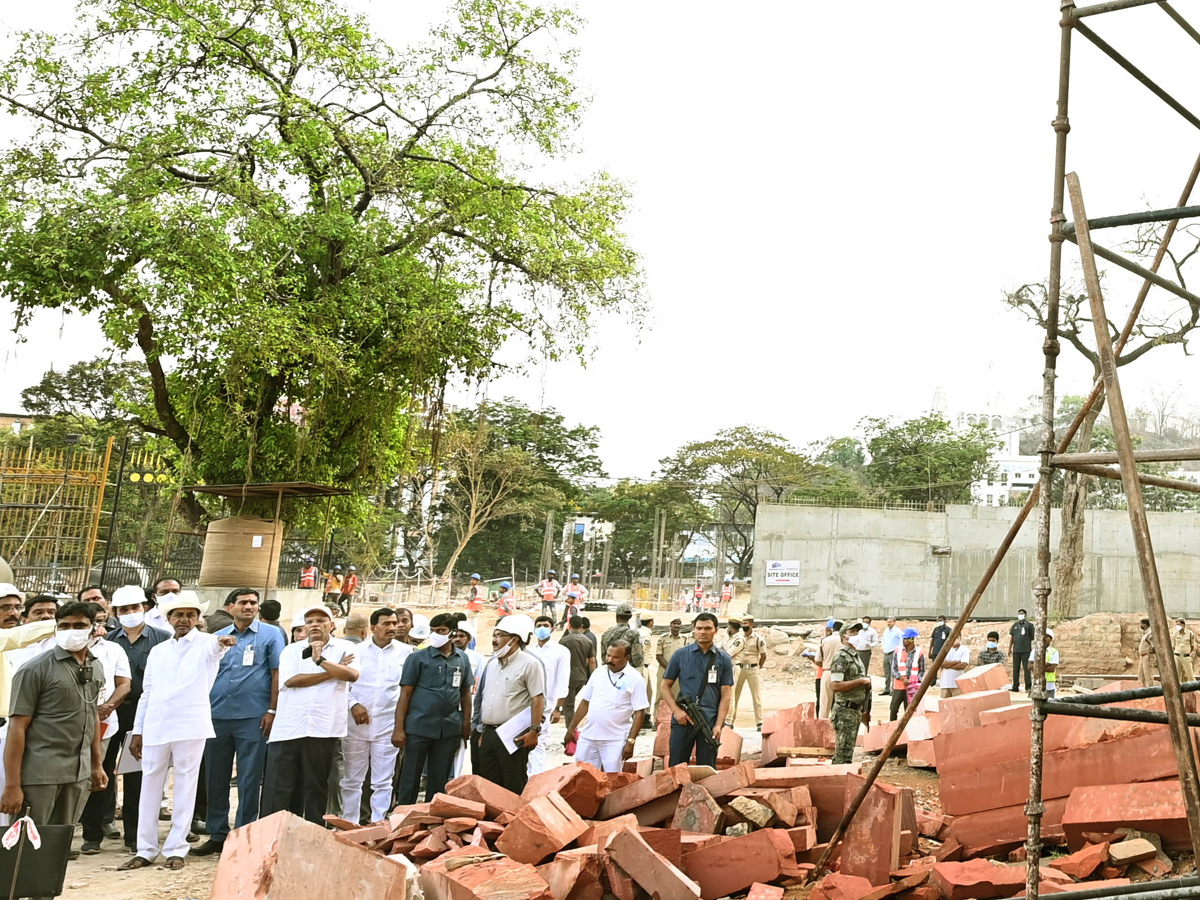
173,722
556,660
614,702
367,746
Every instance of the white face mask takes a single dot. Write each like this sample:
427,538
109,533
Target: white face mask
74,639
506,649
132,620
438,641
1020,617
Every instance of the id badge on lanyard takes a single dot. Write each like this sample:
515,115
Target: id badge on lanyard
248,656
456,678
712,675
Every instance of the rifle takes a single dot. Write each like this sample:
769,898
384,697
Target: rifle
700,724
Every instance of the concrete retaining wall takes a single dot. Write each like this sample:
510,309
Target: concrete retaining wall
917,564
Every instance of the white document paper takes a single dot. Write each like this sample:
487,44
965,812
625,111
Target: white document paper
518,724
126,762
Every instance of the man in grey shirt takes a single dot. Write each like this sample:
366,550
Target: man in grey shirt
512,682
53,747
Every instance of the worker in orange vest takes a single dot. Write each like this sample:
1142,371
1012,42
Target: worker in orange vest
726,596
349,586
333,587
308,575
476,598
506,603
549,588
698,597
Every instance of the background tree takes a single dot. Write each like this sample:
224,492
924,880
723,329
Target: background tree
631,507
925,460
299,228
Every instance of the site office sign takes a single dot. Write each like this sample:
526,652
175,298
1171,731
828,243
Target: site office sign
783,572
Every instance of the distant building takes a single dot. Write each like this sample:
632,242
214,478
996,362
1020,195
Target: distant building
1013,474
15,422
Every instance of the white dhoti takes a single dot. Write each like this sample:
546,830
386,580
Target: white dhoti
604,755
379,756
184,757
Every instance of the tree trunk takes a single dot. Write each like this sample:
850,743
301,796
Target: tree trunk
1068,566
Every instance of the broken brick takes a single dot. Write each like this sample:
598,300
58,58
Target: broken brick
978,879
1131,851
643,791
544,826
582,785
495,798
429,848
696,811
1082,863
734,864
457,875
1155,807
651,870
445,806
1157,867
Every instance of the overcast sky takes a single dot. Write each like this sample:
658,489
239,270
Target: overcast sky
829,199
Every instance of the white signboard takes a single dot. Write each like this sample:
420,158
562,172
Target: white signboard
783,572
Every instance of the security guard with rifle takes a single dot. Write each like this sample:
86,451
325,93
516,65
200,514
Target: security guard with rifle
705,676
851,696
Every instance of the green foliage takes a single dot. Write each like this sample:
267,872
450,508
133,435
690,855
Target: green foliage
925,459
301,230
630,507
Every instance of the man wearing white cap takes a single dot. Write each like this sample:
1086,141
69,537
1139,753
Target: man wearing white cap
314,680
173,723
513,683
13,636
419,633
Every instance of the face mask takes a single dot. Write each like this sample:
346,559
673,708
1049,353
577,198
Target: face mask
438,641
132,620
941,621
1179,628
73,640
505,650
1020,617
542,632
991,645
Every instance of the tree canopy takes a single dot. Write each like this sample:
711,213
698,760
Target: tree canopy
925,459
303,231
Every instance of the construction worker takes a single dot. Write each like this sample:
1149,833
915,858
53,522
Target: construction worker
349,586
726,599
1184,644
698,598
1147,658
308,575
475,599
578,588
549,588
573,606
333,587
851,689
749,654
646,631
1051,666
908,671
505,602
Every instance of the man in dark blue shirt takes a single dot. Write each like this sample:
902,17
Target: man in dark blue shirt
433,716
704,672
243,707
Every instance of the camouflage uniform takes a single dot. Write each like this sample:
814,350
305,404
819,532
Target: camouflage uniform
623,631
848,706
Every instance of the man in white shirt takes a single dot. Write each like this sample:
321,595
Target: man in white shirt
889,643
314,691
864,642
367,746
958,659
165,589
614,701
173,722
556,660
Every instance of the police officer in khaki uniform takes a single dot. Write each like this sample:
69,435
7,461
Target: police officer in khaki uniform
749,653
1184,644
667,645
646,632
1147,658
733,630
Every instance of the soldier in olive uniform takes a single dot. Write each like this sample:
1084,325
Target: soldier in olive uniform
623,631
851,690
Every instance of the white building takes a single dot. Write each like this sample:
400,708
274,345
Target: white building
1012,474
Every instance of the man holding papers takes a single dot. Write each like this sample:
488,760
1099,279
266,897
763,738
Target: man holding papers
509,706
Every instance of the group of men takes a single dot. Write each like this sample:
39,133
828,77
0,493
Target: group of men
1184,646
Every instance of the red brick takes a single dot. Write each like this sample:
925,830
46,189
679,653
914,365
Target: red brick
1000,830
1156,807
988,677
724,783
696,810
272,859
1081,863
620,884
804,837
979,879
651,870
1000,714
838,886
760,891
958,713
497,878
598,832
657,811
640,766
496,799
582,785
921,755
734,864
544,826
872,846
643,791
574,876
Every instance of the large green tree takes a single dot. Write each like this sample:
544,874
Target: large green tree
925,459
302,231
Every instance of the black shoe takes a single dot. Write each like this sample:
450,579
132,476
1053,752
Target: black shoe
89,848
111,831
198,826
208,848
72,854
192,837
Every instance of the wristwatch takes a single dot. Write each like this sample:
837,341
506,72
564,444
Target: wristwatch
631,740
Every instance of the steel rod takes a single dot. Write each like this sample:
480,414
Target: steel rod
1139,456
1138,218
1137,73
1153,277
1116,713
1109,6
1181,21
1179,893
1160,481
1141,693
1144,887
1189,780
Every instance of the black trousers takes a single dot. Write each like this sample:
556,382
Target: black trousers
683,740
299,780
899,699
491,760
438,753
1021,663
101,806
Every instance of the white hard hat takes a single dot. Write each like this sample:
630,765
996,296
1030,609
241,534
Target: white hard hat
420,627
465,625
8,589
128,596
520,625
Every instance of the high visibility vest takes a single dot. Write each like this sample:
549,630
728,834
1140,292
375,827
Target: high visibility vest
333,584
579,589
914,675
308,577
350,585
726,593
549,589
698,592
478,592
504,605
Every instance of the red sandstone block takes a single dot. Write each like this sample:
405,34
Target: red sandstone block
662,741
1047,887
802,776
1082,863
873,740
618,780
838,886
958,713
651,870
447,807
496,799
641,766
730,751
582,785
697,811
1003,713
929,824
544,826
689,842
764,892
921,755
620,883
734,864
574,876
283,857
1000,830
658,811
643,791
1156,807
804,837
598,832
501,878
872,846
990,677
979,879
922,727
725,782
666,842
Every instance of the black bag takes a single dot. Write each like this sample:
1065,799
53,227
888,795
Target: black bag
42,871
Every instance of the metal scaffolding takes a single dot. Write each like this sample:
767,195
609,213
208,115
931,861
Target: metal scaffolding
1053,455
